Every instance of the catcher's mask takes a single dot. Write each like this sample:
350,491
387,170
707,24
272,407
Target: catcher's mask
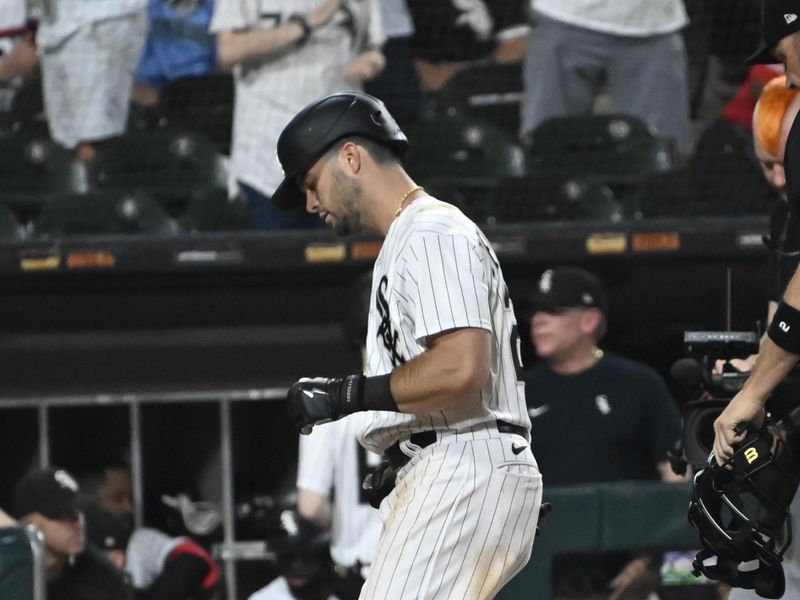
740,511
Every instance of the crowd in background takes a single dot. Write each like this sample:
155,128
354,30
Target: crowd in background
105,67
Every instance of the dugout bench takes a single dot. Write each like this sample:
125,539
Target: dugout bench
607,517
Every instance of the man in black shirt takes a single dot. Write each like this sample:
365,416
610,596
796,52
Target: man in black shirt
48,499
595,417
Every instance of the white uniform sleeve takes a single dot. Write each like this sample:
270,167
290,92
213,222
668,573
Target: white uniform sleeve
375,34
444,285
315,463
230,15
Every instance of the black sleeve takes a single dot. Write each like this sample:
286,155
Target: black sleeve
664,421
181,577
508,13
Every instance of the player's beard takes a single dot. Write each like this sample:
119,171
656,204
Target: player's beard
346,196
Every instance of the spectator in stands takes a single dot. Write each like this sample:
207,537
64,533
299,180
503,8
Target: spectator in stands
89,51
282,60
596,418
48,498
160,567
110,485
178,45
450,35
397,85
18,57
300,548
634,47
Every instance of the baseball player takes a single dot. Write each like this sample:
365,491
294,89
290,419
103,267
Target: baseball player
445,406
333,463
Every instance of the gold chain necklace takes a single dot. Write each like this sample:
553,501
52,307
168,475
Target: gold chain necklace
401,206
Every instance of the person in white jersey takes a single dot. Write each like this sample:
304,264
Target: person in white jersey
632,48
444,402
332,464
285,53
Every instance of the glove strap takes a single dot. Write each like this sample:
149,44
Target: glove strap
359,393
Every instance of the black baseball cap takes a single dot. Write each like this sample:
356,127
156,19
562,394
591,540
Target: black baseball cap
321,124
569,287
50,492
779,19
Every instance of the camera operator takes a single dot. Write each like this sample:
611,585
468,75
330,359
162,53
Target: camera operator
780,348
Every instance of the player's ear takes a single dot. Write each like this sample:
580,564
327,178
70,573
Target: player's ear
351,157
591,320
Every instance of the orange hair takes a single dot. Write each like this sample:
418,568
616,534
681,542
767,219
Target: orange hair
769,111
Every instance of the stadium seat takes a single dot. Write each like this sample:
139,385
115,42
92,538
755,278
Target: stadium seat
212,210
203,104
726,173
10,227
669,194
26,113
32,164
463,148
552,198
169,165
97,213
617,147
22,563
492,93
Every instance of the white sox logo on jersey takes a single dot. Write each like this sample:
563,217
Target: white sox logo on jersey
385,332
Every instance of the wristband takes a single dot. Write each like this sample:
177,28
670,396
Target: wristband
303,22
378,393
784,329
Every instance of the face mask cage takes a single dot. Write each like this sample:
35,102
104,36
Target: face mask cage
740,511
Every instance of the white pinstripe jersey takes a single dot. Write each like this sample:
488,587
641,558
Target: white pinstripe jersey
272,89
332,460
437,271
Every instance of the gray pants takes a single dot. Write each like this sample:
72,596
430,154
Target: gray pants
567,66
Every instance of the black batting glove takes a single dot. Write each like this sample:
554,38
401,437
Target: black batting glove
322,400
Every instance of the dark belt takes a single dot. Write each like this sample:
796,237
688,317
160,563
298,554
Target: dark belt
397,458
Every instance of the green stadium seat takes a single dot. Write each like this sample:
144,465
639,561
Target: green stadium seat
618,147
491,92
203,104
10,227
464,149
97,213
552,198
31,164
168,165
212,210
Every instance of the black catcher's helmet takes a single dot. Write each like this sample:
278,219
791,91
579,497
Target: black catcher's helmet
319,126
740,511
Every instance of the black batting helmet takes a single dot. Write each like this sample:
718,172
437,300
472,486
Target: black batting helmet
319,126
740,511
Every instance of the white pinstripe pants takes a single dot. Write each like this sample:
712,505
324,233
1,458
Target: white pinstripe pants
460,522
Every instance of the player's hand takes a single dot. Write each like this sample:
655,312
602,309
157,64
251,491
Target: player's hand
321,400
728,428
323,14
635,579
365,66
